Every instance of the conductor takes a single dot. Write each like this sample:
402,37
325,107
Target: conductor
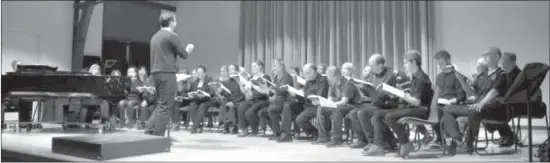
165,47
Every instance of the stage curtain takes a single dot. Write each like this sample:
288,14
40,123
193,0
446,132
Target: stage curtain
334,32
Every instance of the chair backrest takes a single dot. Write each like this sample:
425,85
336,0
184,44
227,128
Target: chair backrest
434,108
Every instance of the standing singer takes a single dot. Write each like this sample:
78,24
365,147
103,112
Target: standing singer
165,46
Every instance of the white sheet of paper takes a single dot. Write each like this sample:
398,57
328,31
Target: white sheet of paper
324,102
181,77
301,80
443,101
391,90
294,90
362,82
221,86
203,93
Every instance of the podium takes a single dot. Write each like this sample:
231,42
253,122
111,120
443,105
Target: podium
524,87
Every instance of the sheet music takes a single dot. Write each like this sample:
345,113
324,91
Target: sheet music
268,82
323,101
301,80
181,98
182,77
392,90
294,90
221,86
362,82
443,101
199,93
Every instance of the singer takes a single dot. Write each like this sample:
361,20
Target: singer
165,47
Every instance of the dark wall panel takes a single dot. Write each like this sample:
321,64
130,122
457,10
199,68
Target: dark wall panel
127,21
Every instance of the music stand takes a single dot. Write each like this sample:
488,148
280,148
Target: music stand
523,88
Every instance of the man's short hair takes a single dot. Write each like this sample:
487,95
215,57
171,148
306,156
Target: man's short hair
201,67
413,55
260,63
442,54
280,61
297,69
511,56
378,58
165,19
347,65
334,71
493,50
311,66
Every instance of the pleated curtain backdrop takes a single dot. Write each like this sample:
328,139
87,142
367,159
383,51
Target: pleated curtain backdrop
335,32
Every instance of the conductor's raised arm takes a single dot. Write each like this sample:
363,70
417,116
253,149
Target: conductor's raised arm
178,47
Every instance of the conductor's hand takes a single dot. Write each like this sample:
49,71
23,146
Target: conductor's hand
189,48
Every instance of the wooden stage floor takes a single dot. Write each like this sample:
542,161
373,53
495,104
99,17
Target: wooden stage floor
210,146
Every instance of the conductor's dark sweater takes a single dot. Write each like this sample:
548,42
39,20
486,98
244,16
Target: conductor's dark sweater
165,45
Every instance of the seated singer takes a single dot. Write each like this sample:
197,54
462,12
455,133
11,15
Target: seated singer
228,113
248,110
449,88
361,117
418,101
346,95
275,108
128,107
93,105
202,100
182,98
148,98
315,85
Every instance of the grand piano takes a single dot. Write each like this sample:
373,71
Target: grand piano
39,83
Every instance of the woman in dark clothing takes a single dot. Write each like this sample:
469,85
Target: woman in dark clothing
202,100
147,98
228,114
127,108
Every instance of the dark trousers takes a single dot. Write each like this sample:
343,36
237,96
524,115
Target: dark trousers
165,84
264,117
274,112
324,121
492,111
449,122
337,117
128,108
450,113
145,112
228,115
285,114
362,125
198,109
176,117
303,120
389,117
248,112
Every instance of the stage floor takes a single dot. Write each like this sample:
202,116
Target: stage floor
218,147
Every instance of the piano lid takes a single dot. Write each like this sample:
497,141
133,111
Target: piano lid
35,68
